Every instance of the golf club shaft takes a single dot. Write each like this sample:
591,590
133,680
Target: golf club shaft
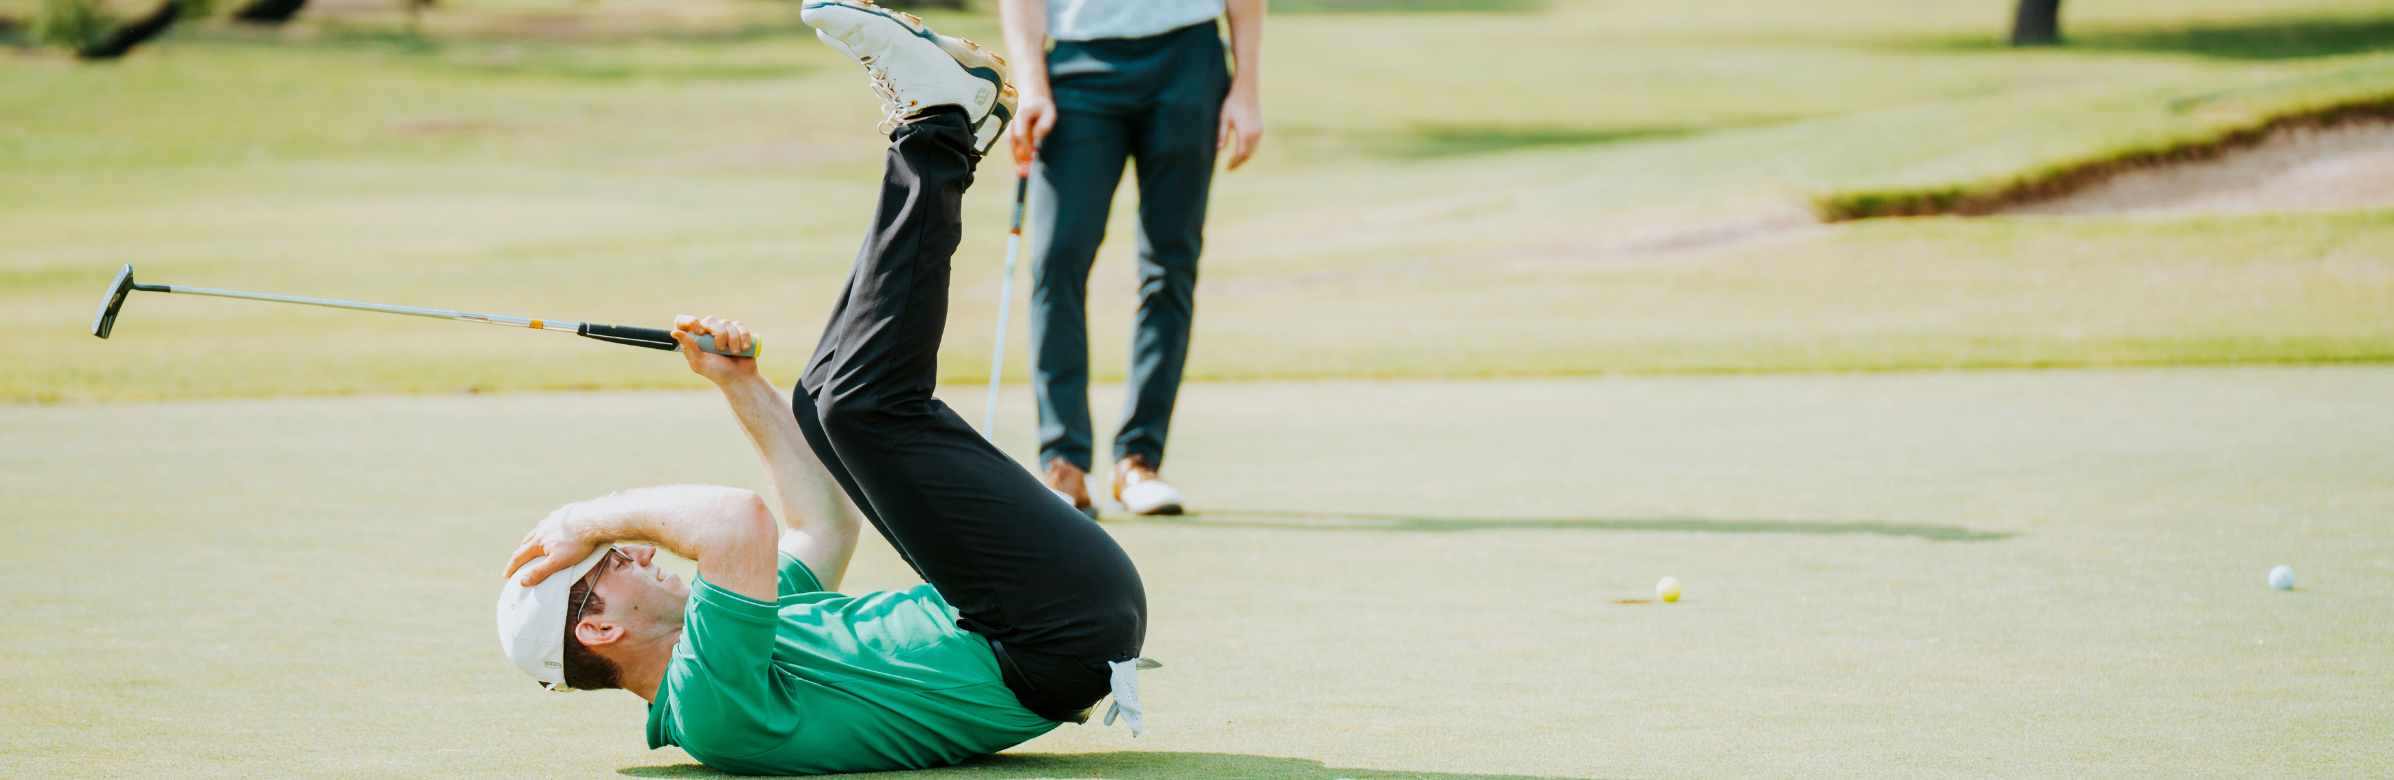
385,308
997,357
652,338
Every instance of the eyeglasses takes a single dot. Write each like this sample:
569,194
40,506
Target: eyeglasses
603,565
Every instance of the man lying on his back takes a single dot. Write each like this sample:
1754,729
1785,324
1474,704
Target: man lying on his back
1032,613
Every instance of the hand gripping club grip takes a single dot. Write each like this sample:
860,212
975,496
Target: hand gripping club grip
654,338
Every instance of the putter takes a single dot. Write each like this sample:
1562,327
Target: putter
997,360
652,338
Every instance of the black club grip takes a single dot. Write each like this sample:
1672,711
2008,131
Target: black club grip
654,338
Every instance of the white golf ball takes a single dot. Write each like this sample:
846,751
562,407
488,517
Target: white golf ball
1667,589
2282,578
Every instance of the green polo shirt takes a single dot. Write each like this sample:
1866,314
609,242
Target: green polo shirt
823,682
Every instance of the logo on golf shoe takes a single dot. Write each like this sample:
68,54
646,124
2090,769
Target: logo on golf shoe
981,96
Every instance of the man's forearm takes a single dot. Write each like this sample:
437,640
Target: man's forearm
802,489
728,531
1025,22
810,502
1246,43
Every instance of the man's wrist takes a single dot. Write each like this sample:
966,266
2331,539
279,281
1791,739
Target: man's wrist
742,382
571,521
735,377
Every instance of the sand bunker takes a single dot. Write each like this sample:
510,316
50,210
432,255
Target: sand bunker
2351,164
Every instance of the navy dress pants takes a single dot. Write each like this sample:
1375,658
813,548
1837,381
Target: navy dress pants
1156,101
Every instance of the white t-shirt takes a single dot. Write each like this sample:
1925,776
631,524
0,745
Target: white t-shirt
1089,20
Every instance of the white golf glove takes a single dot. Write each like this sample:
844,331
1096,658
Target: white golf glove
1126,693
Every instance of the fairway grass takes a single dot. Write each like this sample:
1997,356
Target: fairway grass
1981,574
1581,188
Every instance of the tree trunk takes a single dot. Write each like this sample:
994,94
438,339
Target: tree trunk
2038,23
415,14
134,33
272,13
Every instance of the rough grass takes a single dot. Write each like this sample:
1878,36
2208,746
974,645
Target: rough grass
1586,187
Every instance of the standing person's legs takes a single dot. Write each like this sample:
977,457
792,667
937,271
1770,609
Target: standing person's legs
1040,580
1072,191
1173,143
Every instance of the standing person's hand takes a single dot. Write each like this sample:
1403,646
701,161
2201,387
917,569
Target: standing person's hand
1242,111
1034,116
1242,117
1025,24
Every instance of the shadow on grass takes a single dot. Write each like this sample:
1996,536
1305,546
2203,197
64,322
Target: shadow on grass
2273,40
1337,521
2276,39
1130,766
1441,141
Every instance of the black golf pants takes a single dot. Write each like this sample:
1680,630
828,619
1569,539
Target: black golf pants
1054,594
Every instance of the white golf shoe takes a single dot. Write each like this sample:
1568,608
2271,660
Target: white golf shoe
1152,497
914,69
1142,491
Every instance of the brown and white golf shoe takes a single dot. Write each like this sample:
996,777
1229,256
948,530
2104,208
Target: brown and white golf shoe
1142,491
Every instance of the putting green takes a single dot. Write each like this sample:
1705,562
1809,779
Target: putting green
1887,575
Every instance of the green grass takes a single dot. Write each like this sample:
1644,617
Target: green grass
2009,574
1530,191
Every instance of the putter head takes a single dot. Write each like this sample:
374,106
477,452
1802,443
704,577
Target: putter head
105,321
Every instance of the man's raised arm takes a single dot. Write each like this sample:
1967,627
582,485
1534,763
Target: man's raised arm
822,525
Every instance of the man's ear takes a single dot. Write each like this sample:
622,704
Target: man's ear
593,633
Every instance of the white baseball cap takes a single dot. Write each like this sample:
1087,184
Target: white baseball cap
532,620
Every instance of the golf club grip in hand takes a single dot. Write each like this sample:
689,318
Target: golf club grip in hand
655,338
